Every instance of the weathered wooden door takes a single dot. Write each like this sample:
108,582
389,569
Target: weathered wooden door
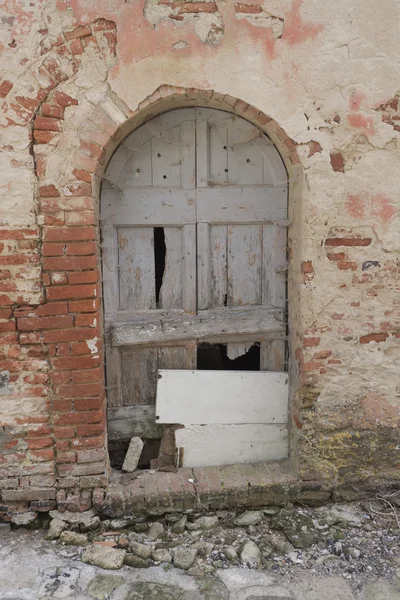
193,212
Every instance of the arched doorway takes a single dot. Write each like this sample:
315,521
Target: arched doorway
194,216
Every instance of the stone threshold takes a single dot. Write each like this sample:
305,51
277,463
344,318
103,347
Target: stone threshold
209,488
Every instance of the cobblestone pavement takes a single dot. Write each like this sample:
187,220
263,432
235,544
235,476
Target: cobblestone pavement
32,568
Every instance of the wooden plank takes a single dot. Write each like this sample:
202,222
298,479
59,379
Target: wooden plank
166,157
137,171
171,357
136,268
137,206
217,154
113,364
244,265
274,262
213,397
245,204
138,376
171,290
202,162
110,271
216,445
125,422
207,325
203,266
188,155
189,269
245,161
219,266
272,355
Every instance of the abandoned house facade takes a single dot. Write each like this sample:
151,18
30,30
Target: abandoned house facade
199,205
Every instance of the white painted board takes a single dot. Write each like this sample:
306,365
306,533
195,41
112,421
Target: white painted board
216,445
220,397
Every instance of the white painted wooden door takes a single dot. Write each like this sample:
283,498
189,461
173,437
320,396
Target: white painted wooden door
193,213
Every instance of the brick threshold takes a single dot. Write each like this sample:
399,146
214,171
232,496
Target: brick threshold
201,489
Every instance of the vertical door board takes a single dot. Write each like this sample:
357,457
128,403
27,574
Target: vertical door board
136,268
244,265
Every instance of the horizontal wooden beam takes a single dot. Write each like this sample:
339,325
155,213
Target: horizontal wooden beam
212,326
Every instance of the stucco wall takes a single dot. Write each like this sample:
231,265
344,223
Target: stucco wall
77,75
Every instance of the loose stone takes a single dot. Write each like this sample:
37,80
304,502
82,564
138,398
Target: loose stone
250,517
206,523
161,555
141,550
135,561
133,455
72,538
25,518
106,558
231,553
179,526
56,528
184,558
156,531
250,554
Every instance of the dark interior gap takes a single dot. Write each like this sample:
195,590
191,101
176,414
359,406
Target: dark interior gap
160,254
117,450
214,357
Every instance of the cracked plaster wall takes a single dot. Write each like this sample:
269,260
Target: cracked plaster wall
327,73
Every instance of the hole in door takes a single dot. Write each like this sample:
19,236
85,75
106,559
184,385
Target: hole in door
214,357
160,253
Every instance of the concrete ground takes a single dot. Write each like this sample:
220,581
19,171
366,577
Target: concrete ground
32,568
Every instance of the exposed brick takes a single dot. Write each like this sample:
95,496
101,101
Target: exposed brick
76,47
82,469
78,32
82,175
103,25
29,494
345,265
351,241
309,342
51,322
5,88
374,337
337,161
69,234
43,137
52,110
90,389
66,263
307,267
64,100
84,306
73,362
196,7
47,124
85,277
241,7
72,292
88,456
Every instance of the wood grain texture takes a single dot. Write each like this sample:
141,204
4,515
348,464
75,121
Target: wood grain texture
209,325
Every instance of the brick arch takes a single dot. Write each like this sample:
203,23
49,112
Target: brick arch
69,322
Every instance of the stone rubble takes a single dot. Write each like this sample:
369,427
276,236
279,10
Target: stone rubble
225,548
342,539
